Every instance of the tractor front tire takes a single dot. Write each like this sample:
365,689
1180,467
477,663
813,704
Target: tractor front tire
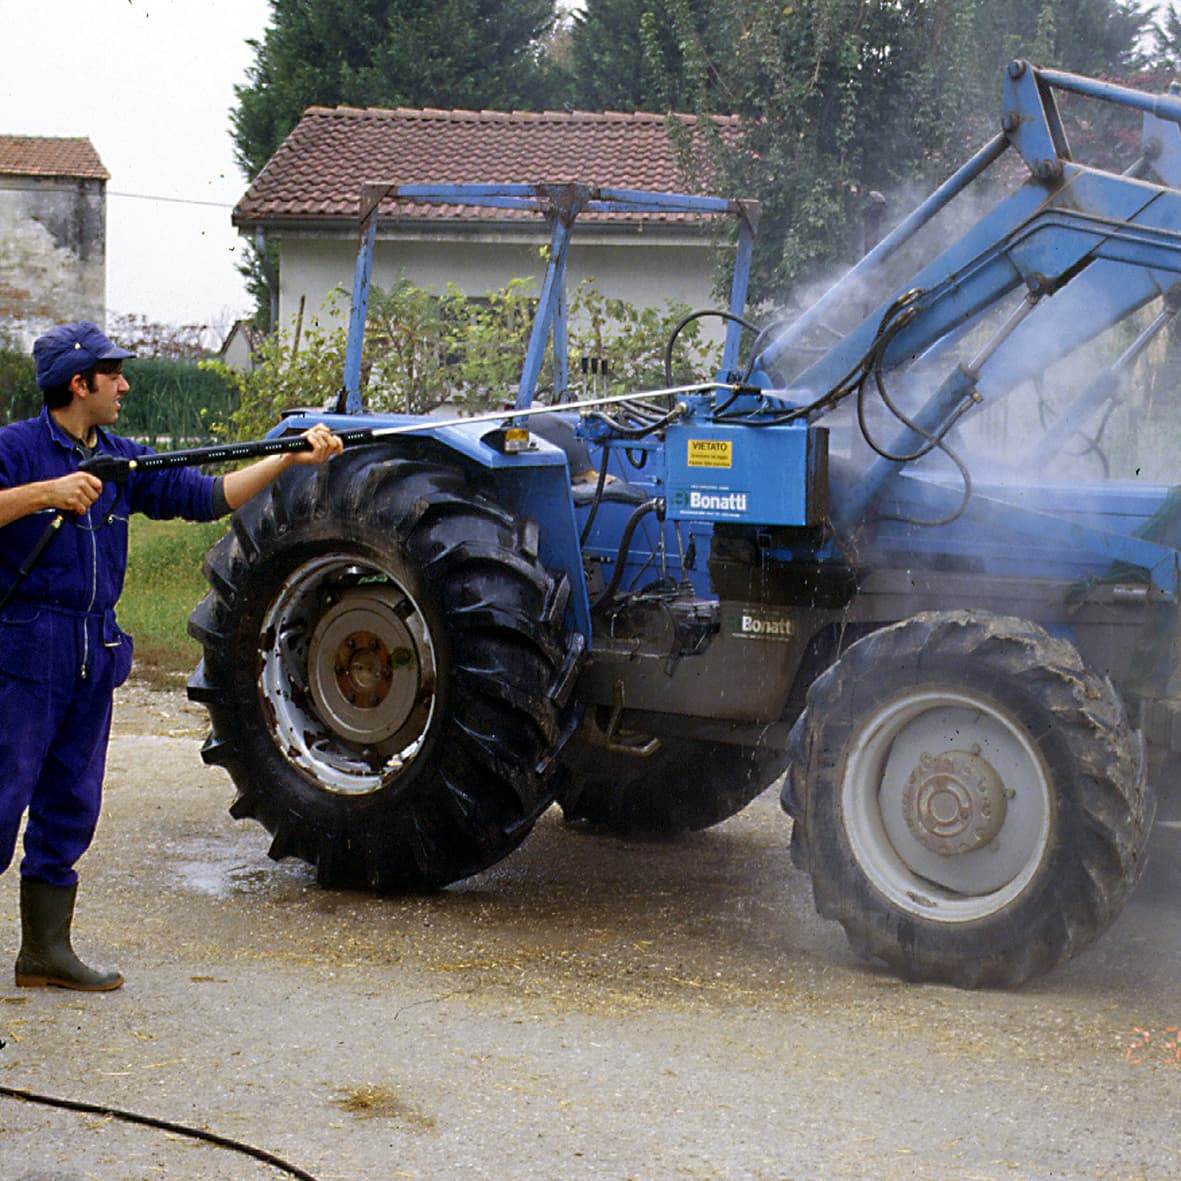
971,801
386,670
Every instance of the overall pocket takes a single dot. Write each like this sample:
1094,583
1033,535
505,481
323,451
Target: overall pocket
26,641
120,646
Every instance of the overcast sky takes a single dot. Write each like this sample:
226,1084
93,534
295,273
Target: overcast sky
150,83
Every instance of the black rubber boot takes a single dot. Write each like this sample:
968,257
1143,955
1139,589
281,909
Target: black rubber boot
46,957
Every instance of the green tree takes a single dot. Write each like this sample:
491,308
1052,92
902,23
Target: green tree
648,55
1084,36
1166,38
843,98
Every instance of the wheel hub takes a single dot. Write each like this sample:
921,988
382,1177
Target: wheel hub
954,802
364,670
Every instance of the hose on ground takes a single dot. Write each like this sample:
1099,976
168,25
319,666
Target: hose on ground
149,1121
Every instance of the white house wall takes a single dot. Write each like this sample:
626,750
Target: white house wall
651,274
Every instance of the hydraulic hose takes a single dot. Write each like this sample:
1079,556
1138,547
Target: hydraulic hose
598,499
686,321
625,542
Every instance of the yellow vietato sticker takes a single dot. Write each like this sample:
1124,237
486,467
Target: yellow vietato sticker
710,453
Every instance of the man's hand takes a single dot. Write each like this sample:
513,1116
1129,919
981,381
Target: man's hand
238,487
324,446
74,493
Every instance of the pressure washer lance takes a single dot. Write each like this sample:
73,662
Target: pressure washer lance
116,468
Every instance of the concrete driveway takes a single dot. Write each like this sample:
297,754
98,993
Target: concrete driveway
587,1009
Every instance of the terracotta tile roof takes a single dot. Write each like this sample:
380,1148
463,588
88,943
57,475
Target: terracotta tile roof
317,172
41,155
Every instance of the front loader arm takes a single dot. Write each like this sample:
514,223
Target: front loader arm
1088,247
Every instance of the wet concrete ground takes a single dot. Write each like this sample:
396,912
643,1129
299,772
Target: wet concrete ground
587,1009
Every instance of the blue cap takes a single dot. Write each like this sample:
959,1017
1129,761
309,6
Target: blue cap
69,349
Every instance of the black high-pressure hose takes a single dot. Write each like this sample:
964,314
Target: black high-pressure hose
164,1125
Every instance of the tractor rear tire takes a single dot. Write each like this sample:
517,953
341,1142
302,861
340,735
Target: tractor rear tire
970,799
685,785
386,669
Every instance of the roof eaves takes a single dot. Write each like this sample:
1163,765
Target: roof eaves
458,226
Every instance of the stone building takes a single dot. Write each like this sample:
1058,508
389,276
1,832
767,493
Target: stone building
52,232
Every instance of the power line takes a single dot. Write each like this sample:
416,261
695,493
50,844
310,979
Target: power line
172,200
130,196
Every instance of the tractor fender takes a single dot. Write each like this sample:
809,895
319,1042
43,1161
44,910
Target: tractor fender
534,483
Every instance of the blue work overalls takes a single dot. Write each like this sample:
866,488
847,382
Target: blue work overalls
61,651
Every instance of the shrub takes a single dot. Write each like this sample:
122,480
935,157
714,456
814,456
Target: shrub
175,403
423,350
19,396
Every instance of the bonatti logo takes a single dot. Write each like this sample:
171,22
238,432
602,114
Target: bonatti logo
765,626
712,502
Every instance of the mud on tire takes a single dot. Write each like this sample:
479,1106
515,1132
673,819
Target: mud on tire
386,668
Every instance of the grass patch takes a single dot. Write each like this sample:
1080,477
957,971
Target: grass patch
164,583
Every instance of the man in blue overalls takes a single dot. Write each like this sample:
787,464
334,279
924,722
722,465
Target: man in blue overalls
61,652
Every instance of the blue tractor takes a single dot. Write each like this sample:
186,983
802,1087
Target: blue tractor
647,608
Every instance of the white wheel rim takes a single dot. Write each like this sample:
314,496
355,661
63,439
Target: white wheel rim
889,750
350,726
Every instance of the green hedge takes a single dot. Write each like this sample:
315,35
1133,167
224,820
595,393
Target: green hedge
19,396
175,403
171,404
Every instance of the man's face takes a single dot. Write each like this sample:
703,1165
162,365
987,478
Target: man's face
104,396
